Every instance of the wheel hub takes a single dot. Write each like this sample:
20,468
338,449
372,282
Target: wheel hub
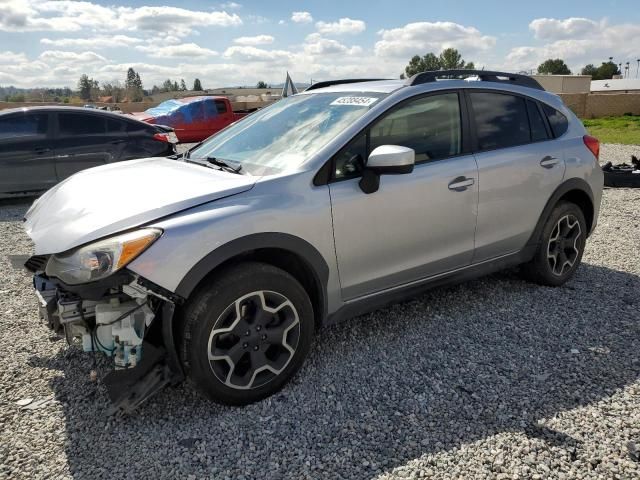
254,339
562,249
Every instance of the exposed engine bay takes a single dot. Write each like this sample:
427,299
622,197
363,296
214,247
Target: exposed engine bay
123,321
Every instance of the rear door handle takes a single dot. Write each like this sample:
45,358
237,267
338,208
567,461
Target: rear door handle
115,142
62,156
42,150
460,184
548,161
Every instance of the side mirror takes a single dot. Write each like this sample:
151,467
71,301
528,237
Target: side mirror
388,160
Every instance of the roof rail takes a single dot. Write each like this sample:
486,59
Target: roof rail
329,83
484,75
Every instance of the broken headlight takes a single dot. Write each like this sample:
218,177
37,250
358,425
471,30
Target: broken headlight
102,258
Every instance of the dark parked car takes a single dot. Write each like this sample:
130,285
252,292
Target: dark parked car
41,146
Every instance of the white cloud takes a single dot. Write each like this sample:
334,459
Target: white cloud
94,42
256,40
254,54
553,29
63,56
66,16
282,22
342,26
8,58
422,37
231,5
318,45
301,17
576,41
183,50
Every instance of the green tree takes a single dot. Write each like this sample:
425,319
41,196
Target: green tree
554,66
183,86
606,71
449,59
589,69
262,84
85,85
133,86
197,86
167,85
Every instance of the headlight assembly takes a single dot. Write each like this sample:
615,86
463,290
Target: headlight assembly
102,258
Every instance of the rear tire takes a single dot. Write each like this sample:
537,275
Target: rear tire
246,333
560,247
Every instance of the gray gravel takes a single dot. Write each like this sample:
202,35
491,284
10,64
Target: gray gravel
496,378
618,153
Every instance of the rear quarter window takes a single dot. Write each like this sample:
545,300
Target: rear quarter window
138,127
558,122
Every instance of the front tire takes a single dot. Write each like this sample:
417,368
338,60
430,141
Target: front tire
246,333
560,247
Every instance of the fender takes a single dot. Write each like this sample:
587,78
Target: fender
566,187
301,248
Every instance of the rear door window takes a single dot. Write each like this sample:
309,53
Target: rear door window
538,128
78,124
221,106
23,125
210,109
501,120
557,120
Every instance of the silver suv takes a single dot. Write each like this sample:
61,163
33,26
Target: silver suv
219,265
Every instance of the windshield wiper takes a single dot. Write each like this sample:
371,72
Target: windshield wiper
224,165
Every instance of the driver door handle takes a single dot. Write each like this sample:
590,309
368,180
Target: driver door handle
548,161
460,184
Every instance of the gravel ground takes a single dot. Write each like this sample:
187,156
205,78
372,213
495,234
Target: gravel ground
496,378
618,153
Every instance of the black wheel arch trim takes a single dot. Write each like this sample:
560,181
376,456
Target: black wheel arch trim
573,184
245,245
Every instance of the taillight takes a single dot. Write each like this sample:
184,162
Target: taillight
593,144
163,137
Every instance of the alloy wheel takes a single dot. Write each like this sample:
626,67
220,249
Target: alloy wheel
562,249
254,339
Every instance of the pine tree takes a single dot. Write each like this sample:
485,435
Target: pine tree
197,86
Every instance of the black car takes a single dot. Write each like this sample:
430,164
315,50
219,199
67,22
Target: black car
41,146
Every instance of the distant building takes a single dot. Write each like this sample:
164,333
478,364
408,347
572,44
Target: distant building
565,83
616,85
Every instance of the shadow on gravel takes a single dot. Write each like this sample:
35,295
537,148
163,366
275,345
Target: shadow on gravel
453,366
13,209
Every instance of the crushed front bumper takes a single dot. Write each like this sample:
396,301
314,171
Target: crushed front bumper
124,317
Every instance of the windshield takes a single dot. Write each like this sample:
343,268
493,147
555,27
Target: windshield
286,134
165,107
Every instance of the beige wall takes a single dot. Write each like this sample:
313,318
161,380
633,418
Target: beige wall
594,105
565,83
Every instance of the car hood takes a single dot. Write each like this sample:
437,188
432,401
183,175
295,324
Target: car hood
105,200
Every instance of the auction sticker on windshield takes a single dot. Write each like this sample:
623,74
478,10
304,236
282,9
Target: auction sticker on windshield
354,101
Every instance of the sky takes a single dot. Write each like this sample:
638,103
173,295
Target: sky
52,43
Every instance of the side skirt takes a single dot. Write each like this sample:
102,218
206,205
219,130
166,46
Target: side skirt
375,301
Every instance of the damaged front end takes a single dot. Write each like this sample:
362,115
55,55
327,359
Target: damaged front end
123,316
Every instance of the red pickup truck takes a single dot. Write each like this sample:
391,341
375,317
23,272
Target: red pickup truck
193,118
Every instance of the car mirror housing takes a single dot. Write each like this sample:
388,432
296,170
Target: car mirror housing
387,160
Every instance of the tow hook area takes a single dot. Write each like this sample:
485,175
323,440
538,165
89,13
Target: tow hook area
132,323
